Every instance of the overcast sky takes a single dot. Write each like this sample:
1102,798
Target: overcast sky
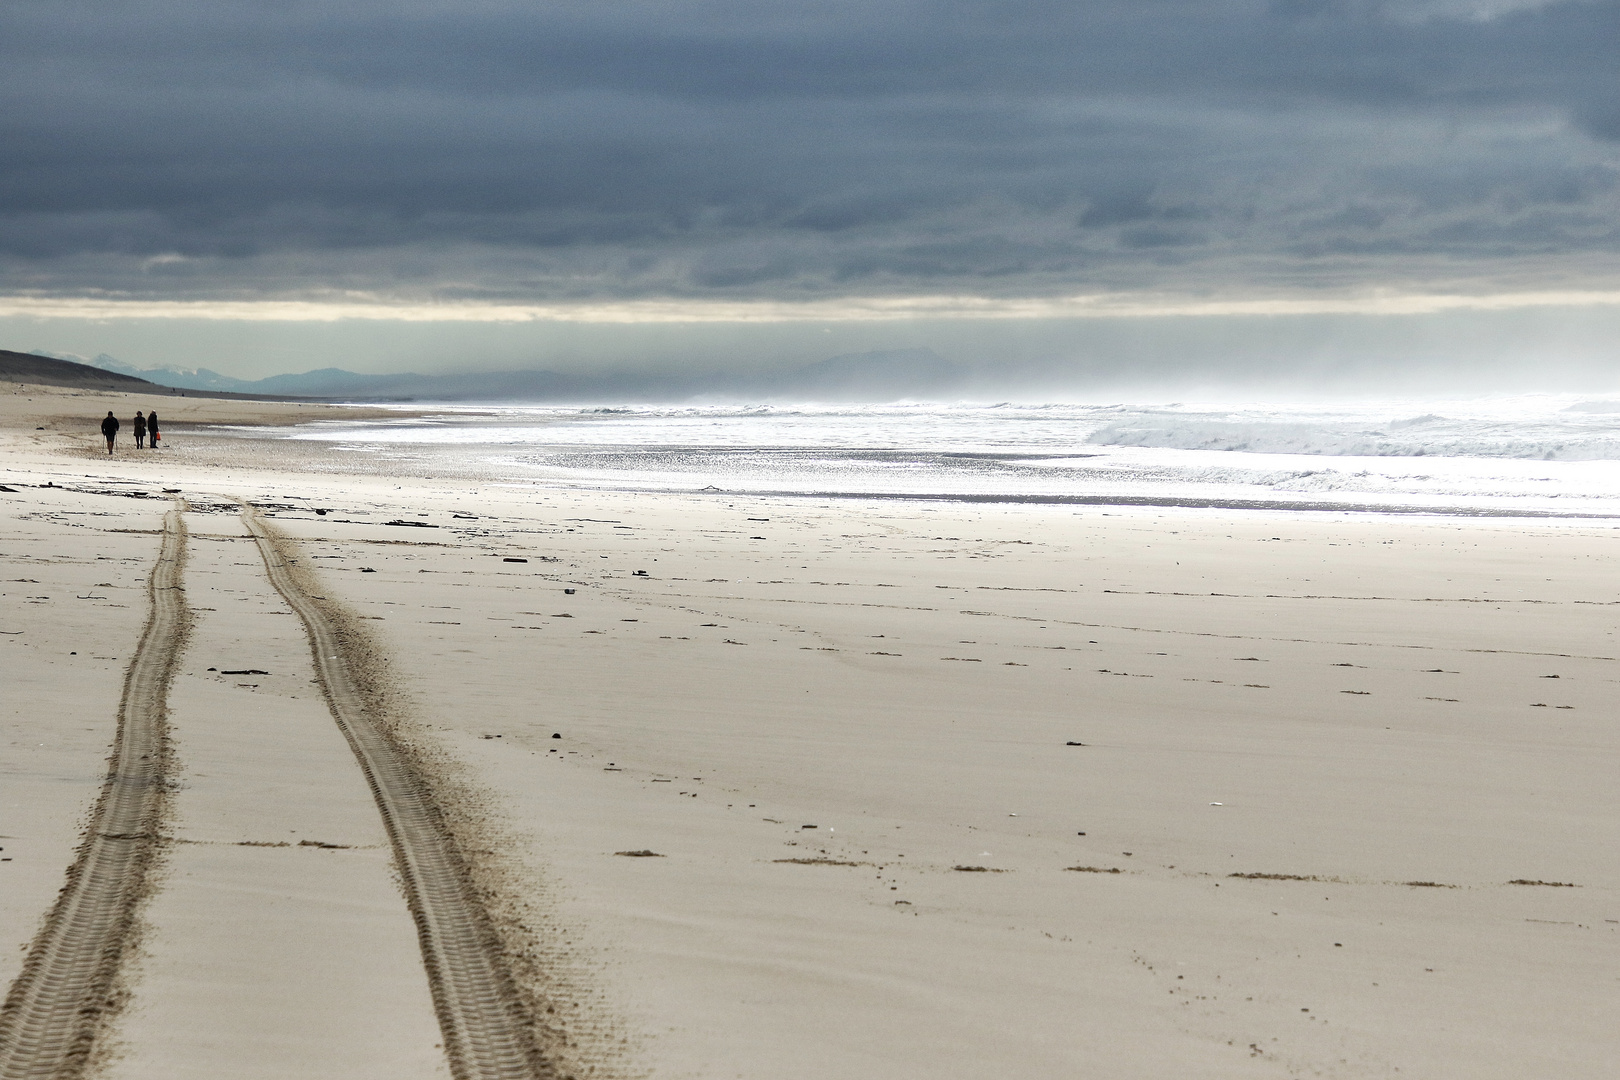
674,159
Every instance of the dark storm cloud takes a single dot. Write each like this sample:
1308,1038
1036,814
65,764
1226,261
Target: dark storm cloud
568,150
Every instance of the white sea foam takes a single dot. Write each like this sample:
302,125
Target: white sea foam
1566,437
1538,454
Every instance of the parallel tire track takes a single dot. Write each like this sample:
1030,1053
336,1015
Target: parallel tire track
487,1033
69,982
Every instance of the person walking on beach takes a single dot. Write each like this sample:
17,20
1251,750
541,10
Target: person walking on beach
151,427
140,430
109,429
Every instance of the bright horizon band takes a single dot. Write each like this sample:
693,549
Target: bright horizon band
863,309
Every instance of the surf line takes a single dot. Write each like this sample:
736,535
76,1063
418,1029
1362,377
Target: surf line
68,989
488,1034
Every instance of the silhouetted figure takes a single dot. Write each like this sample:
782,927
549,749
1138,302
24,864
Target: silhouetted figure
140,430
109,428
151,427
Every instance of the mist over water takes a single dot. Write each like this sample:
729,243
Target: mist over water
1542,455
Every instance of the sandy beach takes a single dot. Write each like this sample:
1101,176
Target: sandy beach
787,788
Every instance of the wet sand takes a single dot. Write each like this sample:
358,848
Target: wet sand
1314,754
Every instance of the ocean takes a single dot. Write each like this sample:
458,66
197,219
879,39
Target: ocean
1517,456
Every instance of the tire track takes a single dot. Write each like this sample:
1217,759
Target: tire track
488,1034
68,987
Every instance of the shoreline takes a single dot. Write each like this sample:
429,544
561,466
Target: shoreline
1183,801
1170,501
772,470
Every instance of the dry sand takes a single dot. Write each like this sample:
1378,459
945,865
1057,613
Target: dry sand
816,714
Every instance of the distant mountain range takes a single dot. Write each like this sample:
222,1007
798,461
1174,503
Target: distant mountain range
885,375
45,370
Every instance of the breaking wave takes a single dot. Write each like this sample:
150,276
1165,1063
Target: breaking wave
1577,437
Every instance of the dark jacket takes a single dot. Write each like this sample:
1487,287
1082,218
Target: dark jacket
109,426
140,424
